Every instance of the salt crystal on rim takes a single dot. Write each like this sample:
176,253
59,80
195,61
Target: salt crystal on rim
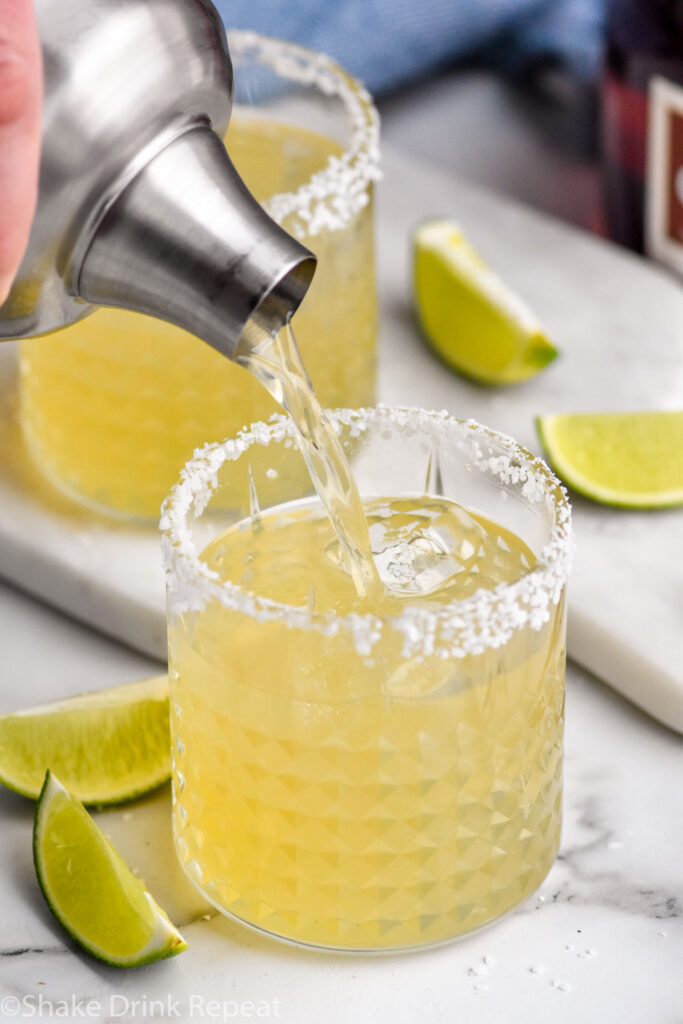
335,195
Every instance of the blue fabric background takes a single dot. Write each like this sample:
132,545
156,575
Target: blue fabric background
388,43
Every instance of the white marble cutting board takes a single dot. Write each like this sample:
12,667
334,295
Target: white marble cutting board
619,325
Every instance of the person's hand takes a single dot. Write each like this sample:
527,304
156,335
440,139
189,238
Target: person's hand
21,87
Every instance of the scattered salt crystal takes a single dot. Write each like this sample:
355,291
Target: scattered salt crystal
587,953
271,474
481,988
206,917
570,947
661,933
561,986
490,961
477,972
536,969
541,899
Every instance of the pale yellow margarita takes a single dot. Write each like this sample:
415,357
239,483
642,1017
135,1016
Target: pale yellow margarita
353,795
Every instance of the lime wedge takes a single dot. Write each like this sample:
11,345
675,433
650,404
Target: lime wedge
90,889
475,322
634,460
108,745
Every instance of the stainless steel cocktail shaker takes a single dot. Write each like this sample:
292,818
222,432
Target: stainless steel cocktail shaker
139,205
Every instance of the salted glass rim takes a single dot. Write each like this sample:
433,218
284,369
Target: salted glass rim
335,194
469,626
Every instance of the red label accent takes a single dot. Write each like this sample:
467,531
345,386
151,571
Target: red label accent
625,125
674,177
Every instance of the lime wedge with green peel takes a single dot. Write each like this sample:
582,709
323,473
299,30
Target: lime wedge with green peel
90,889
108,745
475,322
634,460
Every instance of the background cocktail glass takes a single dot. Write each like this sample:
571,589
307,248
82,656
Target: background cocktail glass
366,783
113,406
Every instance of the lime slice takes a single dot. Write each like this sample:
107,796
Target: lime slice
90,889
634,460
108,745
477,324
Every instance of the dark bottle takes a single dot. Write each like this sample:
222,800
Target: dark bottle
644,41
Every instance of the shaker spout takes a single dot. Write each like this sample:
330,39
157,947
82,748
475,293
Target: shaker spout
185,241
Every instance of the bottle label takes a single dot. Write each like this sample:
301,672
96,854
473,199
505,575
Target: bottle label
664,193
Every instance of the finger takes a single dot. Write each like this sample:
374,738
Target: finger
20,104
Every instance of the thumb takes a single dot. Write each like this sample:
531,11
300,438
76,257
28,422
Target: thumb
20,102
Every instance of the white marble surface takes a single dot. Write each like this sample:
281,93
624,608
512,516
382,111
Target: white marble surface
619,325
605,927
605,931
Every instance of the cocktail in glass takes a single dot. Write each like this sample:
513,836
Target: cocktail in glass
113,407
368,776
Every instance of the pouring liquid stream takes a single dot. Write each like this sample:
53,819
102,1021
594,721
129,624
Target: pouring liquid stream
275,361
384,561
